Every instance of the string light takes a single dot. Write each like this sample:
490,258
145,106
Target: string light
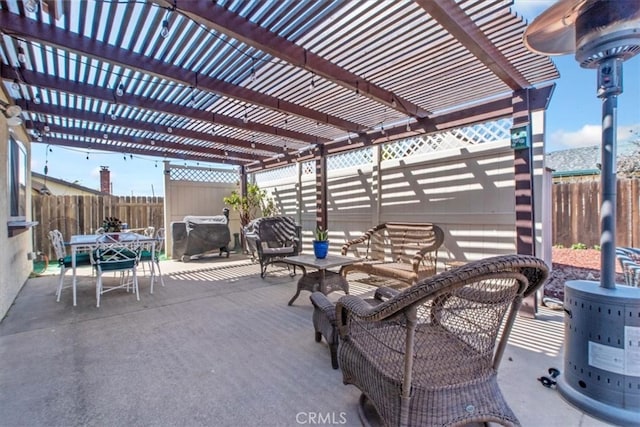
105,136
120,90
47,128
36,99
170,129
31,6
394,104
408,126
382,129
312,83
15,85
87,155
21,55
164,32
113,113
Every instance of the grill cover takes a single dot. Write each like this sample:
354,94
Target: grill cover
197,235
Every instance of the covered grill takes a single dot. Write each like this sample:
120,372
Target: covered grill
195,236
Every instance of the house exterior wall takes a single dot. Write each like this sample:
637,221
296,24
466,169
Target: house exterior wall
15,266
58,189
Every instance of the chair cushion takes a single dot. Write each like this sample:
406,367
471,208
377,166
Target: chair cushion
278,251
82,258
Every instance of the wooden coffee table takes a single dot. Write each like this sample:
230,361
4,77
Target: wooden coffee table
322,279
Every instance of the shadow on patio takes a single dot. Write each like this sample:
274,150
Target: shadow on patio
216,346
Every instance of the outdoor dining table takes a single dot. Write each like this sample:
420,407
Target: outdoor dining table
88,241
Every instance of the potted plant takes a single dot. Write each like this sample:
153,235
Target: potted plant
321,243
111,224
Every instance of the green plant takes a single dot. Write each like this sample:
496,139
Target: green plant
559,246
111,224
596,247
579,246
321,235
255,202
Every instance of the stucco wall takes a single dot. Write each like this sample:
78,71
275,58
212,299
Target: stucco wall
14,265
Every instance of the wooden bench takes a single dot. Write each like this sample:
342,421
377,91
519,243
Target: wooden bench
401,251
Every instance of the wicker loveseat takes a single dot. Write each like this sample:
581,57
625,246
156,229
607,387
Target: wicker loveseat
427,355
398,250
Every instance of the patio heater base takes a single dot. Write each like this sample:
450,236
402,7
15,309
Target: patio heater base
601,374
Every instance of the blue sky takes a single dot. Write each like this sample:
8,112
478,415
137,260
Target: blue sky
573,120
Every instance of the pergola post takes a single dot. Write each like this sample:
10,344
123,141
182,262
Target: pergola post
524,189
321,188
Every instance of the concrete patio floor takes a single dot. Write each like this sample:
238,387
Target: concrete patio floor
217,346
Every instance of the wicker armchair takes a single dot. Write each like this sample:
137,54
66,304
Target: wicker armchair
428,355
271,239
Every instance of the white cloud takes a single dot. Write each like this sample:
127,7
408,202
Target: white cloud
587,136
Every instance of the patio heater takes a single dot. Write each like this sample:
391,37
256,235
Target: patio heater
601,372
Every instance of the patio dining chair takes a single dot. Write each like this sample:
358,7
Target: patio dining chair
630,264
152,257
64,260
112,255
428,355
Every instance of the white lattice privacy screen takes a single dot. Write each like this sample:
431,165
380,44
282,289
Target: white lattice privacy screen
200,174
461,179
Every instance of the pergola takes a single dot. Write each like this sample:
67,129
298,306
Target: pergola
259,84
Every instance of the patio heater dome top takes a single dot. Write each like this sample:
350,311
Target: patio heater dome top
593,29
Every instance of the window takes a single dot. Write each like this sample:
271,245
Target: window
17,181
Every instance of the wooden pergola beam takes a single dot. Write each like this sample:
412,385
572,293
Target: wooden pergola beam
224,21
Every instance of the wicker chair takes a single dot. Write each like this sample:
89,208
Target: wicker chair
428,355
273,238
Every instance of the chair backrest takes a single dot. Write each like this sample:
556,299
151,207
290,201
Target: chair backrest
149,231
160,237
277,231
57,241
112,254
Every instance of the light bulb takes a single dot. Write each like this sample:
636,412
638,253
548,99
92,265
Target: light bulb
47,128
164,33
15,85
170,129
31,6
36,99
120,90
21,56
245,118
105,136
153,142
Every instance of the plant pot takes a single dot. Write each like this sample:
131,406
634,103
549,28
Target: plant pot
114,236
320,248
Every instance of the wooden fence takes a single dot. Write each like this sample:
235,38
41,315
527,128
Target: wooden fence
575,210
576,213
84,214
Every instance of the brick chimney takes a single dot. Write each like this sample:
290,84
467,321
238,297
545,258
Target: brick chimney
105,180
